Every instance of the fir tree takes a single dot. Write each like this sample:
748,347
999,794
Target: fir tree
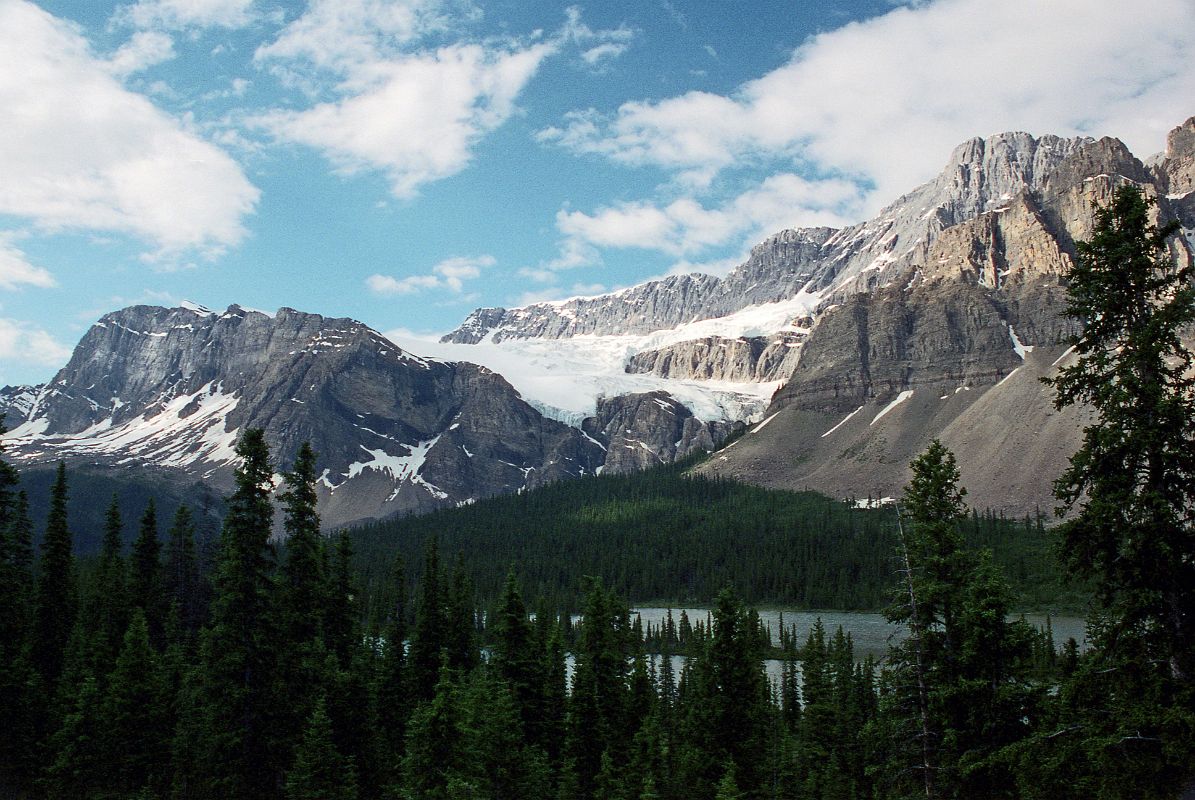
516,661
428,637
136,716
107,609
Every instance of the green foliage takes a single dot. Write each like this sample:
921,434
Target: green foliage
1133,480
320,772
1124,721
236,654
957,689
662,536
56,598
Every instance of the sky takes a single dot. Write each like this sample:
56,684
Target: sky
402,162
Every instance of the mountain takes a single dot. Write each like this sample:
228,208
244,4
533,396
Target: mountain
934,319
174,389
850,349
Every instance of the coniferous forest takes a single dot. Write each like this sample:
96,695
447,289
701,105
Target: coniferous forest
165,670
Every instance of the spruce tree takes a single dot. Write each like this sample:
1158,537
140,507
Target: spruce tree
56,592
136,716
146,575
1133,480
183,584
319,771
957,686
514,658
429,637
236,747
107,609
1126,711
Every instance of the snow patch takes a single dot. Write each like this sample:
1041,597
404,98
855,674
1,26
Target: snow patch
900,398
844,421
761,425
1020,349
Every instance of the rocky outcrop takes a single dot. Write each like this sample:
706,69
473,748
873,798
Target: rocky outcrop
16,402
395,433
651,428
715,358
981,175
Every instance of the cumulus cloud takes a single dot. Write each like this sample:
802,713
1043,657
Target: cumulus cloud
415,114
179,14
142,51
685,226
885,100
421,115
15,269
391,104
449,274
89,154
350,36
26,343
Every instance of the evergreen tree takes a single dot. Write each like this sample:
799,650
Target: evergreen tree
319,771
434,755
302,588
598,706
55,587
236,748
957,686
107,609
76,766
428,638
136,717
18,698
146,590
515,660
183,583
1133,480
392,692
1125,714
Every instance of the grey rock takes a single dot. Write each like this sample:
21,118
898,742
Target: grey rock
395,433
650,428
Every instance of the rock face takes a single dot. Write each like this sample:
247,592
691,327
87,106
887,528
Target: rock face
952,292
395,433
932,320
643,430
744,359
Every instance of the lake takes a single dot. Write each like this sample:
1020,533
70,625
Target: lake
869,631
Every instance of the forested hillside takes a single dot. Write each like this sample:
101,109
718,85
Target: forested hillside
660,535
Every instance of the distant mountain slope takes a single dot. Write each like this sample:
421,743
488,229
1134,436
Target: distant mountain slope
854,347
939,299
174,388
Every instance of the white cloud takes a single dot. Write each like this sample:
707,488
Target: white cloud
449,274
88,154
392,104
142,51
179,14
15,269
349,36
26,343
885,100
609,50
685,226
416,116
600,45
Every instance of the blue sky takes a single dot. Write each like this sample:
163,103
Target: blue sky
404,161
